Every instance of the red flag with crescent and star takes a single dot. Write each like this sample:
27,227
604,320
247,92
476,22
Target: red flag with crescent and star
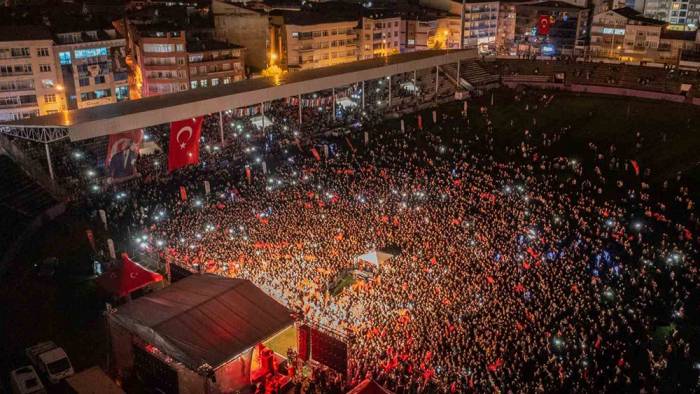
127,277
543,25
184,143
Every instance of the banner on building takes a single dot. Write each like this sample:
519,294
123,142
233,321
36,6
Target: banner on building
122,152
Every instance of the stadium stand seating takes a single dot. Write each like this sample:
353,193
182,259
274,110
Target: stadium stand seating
589,73
21,201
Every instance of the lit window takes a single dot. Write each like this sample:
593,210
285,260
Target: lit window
64,57
90,52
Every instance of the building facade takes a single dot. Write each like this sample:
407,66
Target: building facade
160,59
239,25
380,35
93,67
305,40
683,13
480,21
624,33
213,63
29,76
552,28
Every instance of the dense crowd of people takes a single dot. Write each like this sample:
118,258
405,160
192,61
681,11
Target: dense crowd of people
538,273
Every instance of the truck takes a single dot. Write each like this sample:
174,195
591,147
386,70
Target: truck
50,360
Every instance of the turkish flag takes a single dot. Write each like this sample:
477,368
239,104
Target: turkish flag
184,143
127,278
635,166
543,25
315,153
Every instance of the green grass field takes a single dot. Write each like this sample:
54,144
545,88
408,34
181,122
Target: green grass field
604,120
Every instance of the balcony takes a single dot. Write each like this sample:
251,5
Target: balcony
16,74
121,76
33,105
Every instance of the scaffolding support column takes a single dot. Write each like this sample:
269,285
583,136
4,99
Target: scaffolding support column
437,84
333,93
262,112
389,77
48,160
363,95
459,76
415,82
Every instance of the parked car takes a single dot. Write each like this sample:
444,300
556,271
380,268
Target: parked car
50,360
25,380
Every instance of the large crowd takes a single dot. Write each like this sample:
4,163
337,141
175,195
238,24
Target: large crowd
539,273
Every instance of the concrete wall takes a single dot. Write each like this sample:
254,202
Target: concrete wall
240,26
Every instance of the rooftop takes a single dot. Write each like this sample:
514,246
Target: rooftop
678,34
24,33
209,45
552,4
635,15
317,13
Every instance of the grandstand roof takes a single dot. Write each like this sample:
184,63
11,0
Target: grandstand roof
150,111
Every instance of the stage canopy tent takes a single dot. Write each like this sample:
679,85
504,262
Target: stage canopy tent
149,148
347,103
258,121
369,386
375,257
409,86
205,319
127,277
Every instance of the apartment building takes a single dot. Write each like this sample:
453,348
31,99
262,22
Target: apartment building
213,63
615,32
311,39
93,67
379,34
566,29
683,13
421,25
480,21
505,34
159,58
29,76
